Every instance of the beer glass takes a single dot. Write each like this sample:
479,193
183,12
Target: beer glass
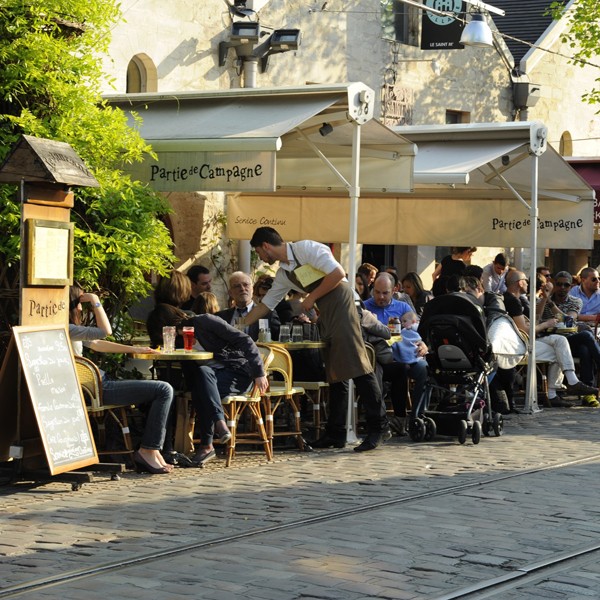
169,338
188,338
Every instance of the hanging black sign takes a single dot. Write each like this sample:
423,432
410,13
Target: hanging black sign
442,32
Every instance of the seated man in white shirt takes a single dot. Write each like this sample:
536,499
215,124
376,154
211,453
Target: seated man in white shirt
493,277
240,290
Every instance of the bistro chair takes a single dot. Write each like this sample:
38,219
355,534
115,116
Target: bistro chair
282,393
90,380
317,393
542,374
235,406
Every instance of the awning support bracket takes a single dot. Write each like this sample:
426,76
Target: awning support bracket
320,154
510,187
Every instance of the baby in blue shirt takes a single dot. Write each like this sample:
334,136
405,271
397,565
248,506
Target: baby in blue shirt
405,351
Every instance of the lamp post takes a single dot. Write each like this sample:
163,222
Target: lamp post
245,39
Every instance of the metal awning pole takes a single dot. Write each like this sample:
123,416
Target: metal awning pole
531,403
354,193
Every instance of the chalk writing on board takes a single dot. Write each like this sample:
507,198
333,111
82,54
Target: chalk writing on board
60,409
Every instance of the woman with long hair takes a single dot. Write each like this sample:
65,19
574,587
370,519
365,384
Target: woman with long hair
412,285
158,394
236,364
361,285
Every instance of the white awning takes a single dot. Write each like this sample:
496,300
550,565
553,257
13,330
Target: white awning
465,177
266,139
484,160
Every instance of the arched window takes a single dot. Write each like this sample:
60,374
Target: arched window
141,75
566,144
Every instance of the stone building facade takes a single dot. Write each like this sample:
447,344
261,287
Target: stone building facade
174,47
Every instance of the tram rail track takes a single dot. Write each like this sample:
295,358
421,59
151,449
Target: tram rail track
484,589
526,574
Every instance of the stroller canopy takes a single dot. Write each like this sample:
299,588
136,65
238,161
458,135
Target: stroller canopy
456,304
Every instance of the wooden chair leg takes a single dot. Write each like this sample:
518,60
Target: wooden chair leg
269,425
231,416
297,421
262,430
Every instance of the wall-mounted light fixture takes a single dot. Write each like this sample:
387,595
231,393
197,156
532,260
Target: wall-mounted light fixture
245,38
477,33
247,31
326,129
281,40
285,39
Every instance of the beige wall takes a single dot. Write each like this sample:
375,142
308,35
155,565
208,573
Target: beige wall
343,43
560,106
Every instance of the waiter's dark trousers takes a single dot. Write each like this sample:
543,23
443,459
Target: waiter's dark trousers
370,394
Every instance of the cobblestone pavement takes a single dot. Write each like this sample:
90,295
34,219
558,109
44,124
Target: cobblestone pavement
417,521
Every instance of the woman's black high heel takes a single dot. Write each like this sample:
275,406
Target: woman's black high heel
141,466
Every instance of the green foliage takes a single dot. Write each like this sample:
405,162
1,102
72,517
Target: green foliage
222,258
50,86
583,35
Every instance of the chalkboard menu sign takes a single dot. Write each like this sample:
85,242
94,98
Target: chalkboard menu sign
49,369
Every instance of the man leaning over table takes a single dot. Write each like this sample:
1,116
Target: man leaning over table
310,267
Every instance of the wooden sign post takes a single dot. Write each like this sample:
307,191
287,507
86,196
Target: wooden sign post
42,411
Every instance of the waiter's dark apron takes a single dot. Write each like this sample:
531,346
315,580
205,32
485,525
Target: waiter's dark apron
344,355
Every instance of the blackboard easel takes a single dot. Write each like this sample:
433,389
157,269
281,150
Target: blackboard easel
48,366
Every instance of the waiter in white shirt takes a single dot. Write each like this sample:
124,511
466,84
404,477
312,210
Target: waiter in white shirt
310,267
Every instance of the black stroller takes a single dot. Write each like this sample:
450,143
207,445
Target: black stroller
460,359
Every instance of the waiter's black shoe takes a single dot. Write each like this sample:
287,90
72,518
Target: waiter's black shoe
369,443
328,442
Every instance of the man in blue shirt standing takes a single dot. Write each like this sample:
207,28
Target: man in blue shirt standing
383,305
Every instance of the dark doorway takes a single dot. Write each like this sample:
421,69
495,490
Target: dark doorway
379,256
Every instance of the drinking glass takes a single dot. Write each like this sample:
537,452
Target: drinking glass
297,333
284,334
188,338
169,338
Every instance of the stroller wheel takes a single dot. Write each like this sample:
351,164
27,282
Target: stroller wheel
486,426
463,427
430,429
476,432
498,424
416,430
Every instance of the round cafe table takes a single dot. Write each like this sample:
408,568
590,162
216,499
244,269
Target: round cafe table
176,355
290,346
182,414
